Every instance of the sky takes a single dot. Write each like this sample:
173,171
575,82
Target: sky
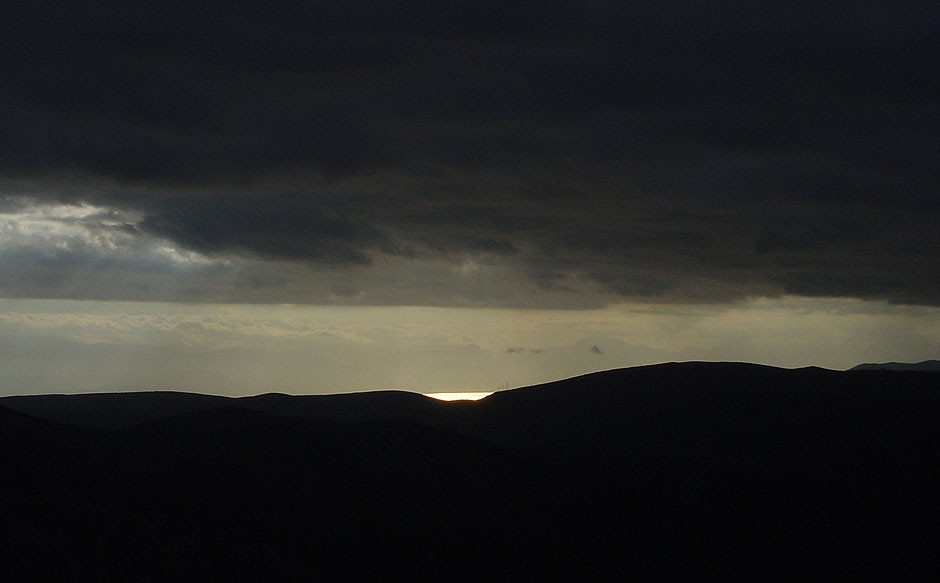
311,197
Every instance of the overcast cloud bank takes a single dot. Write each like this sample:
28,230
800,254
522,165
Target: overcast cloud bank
470,154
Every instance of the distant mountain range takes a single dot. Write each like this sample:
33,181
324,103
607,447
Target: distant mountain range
929,365
704,470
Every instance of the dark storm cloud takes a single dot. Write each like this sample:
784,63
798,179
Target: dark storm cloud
284,227
695,151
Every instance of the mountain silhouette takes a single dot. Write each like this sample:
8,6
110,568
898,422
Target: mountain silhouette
927,365
705,470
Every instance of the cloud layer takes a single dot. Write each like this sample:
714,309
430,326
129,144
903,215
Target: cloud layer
473,153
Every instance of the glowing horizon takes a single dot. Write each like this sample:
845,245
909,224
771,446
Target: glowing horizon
467,396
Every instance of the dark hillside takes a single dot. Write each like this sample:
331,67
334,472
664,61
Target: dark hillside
111,410
704,470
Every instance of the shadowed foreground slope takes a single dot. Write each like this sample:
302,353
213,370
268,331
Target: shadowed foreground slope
704,470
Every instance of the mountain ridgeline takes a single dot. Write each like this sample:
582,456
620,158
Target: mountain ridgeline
705,470
927,365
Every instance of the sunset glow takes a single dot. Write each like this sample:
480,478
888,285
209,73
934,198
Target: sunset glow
458,396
